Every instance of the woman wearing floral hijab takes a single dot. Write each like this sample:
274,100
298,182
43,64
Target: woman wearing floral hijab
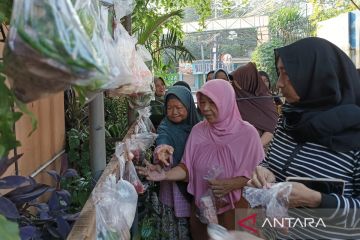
223,141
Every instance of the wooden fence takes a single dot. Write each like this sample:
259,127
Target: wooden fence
45,147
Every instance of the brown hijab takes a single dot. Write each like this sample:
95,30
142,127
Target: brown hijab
260,112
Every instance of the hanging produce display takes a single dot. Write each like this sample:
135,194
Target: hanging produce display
48,50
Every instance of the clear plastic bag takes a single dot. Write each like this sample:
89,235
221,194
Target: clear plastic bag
137,145
144,124
128,74
209,204
214,173
140,101
130,175
89,15
115,204
48,50
123,8
144,53
218,232
274,199
95,20
130,65
207,209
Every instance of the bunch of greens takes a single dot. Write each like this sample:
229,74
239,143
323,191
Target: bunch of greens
49,50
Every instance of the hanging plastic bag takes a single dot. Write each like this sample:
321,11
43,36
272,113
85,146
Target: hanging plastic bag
48,50
140,101
144,53
131,65
131,176
143,122
89,15
137,145
123,8
115,204
135,152
95,20
274,199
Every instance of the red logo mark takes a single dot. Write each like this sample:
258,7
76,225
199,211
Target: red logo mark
251,218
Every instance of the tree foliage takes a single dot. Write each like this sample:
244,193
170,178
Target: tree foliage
239,44
286,25
289,24
158,25
264,58
5,11
326,9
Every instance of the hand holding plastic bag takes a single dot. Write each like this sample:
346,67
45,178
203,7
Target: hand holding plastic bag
209,204
273,199
213,174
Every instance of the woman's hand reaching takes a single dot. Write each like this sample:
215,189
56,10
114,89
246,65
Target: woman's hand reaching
164,153
152,172
261,177
302,196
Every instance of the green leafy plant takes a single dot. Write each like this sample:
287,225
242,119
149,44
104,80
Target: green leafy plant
116,122
289,24
8,230
5,11
326,9
80,189
11,110
264,58
161,30
77,147
78,150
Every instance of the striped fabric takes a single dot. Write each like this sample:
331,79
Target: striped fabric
287,158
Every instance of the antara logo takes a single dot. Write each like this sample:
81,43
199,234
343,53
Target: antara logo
280,223
293,222
251,218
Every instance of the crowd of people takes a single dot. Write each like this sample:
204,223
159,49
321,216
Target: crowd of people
251,142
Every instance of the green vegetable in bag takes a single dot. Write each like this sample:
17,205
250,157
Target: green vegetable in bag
48,50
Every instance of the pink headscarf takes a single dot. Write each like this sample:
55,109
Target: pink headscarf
230,144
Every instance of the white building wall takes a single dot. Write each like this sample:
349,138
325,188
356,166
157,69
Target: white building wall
344,32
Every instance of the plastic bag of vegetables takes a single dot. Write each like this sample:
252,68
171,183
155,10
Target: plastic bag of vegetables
115,204
48,50
131,66
94,18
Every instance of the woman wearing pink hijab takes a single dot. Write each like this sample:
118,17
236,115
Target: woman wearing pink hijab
223,141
